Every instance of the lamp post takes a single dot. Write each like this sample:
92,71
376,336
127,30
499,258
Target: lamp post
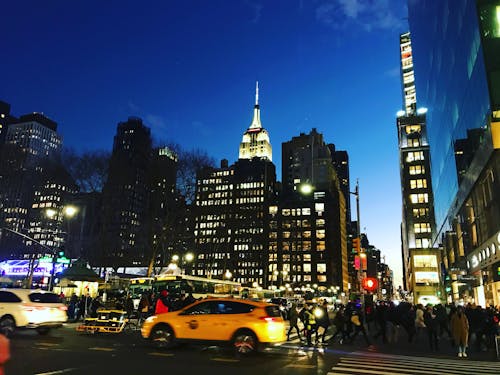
178,262
67,212
358,235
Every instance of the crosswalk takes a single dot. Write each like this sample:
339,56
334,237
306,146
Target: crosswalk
387,364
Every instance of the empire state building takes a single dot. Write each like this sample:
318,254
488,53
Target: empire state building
255,142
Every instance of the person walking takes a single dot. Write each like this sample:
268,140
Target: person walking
339,321
460,330
432,325
310,323
162,304
322,321
294,321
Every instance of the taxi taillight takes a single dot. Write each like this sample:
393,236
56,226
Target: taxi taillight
269,319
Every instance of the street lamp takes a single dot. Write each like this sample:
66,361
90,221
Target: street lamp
228,274
67,212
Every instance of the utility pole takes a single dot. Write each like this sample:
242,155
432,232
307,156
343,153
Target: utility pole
358,233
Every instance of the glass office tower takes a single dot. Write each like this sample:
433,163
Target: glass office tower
457,65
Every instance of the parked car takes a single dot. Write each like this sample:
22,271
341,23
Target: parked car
34,309
244,324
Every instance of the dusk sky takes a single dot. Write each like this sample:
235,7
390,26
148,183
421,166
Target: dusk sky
188,68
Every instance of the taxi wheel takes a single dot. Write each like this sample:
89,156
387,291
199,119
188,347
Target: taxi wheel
7,326
163,337
245,342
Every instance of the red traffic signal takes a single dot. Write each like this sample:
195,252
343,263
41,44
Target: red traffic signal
370,284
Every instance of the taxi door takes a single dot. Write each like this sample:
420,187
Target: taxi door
196,322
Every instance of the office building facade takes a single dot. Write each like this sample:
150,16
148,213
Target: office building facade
457,65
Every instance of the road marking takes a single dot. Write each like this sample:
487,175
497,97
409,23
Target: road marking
161,354
102,349
57,371
298,365
47,344
385,364
225,359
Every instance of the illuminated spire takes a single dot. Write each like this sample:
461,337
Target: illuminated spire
256,110
257,93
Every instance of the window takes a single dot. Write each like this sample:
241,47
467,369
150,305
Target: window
422,243
414,156
307,267
44,298
418,184
420,212
200,309
8,297
424,261
419,198
422,228
416,169
321,267
233,308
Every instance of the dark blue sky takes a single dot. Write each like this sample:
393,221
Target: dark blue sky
188,68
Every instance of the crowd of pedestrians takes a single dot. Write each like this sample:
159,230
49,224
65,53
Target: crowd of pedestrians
459,326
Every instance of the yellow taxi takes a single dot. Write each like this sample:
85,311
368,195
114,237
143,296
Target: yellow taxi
245,324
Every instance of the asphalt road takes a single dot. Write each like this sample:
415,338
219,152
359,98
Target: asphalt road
66,351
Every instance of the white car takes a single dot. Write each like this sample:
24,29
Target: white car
26,308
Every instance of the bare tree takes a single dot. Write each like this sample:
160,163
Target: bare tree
190,163
89,169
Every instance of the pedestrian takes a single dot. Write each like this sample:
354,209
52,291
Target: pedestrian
419,319
322,321
381,321
357,323
162,304
460,330
143,308
294,321
310,323
432,326
340,325
4,352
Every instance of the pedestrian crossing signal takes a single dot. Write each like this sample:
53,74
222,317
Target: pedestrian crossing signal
370,284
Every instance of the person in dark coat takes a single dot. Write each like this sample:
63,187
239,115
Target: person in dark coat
294,321
339,321
322,321
432,326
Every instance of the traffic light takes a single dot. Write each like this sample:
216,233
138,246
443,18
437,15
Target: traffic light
356,244
370,284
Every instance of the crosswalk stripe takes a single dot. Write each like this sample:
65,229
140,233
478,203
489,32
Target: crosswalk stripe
391,367
390,364
468,365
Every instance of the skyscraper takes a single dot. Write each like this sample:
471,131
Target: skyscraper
32,145
255,142
231,228
457,67
421,262
125,196
308,237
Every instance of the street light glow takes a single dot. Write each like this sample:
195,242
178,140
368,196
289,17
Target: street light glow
306,188
70,211
228,274
51,213
189,257
175,258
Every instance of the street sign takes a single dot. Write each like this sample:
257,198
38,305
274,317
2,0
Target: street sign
63,260
45,260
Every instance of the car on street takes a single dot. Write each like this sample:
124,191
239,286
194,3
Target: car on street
27,308
245,324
